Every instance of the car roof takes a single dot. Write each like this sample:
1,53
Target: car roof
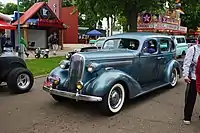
179,36
138,35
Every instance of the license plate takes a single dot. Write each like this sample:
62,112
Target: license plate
47,83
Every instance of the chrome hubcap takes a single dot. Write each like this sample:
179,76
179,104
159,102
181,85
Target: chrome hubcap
115,98
23,81
174,78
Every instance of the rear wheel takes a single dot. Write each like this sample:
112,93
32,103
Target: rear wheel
173,78
20,80
183,54
113,101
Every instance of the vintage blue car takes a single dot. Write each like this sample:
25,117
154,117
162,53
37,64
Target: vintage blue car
127,66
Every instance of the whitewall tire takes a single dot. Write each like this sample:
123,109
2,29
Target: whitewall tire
174,78
113,101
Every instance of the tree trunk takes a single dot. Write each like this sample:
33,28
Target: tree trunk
131,16
108,25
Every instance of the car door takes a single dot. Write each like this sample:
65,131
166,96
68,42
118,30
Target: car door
166,46
149,63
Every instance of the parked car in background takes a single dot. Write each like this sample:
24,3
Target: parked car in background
127,66
191,41
181,45
93,47
99,42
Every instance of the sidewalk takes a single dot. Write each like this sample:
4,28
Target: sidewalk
67,48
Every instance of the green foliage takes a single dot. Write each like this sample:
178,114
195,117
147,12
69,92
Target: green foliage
9,8
67,3
26,4
128,9
191,18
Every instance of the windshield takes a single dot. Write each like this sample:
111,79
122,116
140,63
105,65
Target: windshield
99,42
132,44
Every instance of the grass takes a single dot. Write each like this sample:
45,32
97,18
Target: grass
43,66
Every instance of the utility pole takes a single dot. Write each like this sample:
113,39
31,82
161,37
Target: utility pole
21,48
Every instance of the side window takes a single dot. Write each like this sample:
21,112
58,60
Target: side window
183,40
164,45
150,46
178,40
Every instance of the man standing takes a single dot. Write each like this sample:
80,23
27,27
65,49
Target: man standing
189,68
55,43
22,41
50,40
3,40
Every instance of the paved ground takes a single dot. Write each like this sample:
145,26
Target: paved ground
36,112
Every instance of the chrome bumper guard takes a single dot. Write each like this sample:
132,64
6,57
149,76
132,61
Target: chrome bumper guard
71,95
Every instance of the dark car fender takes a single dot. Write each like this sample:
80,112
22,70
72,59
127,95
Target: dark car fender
9,63
169,67
102,83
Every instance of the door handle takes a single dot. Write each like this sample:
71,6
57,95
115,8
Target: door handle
159,58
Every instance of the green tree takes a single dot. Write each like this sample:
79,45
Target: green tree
1,7
128,8
26,4
9,8
191,18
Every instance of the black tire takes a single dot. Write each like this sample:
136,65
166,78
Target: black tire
37,56
173,78
106,106
46,56
58,98
13,80
183,54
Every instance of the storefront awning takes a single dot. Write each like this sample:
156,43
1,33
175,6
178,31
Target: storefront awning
4,25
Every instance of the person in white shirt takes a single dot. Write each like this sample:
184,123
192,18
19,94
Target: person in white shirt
189,67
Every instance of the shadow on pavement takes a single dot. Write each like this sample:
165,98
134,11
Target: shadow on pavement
93,110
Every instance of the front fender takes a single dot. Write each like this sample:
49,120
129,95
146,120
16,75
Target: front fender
101,85
62,74
168,70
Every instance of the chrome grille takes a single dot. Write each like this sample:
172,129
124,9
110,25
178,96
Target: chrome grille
75,71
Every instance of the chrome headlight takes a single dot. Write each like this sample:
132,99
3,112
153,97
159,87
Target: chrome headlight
64,64
93,67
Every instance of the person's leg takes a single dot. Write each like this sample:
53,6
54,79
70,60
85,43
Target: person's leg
54,49
190,99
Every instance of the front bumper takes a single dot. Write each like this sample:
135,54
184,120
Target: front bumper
71,95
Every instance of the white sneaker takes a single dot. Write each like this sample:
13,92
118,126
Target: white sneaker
186,122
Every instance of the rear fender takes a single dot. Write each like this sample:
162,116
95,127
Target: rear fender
168,70
102,84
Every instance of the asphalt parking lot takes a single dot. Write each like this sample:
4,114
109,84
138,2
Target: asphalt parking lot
36,112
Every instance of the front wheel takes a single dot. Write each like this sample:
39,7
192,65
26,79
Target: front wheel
113,101
20,80
173,78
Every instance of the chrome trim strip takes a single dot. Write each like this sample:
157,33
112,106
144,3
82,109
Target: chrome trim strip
71,95
116,57
117,63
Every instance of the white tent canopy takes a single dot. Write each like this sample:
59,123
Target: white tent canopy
4,17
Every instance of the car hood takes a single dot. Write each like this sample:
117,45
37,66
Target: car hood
109,54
